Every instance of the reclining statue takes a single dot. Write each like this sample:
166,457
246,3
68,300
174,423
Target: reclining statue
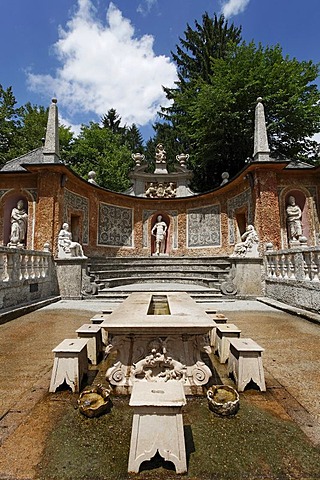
66,247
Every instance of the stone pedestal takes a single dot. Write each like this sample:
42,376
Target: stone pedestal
223,334
92,333
71,273
70,364
218,319
157,424
245,363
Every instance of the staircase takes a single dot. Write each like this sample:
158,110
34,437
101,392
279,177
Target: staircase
115,272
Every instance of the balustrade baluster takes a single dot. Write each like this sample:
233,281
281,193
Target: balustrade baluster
30,268
292,267
315,267
37,266
307,266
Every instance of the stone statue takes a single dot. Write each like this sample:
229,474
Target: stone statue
170,190
249,240
66,247
161,154
225,178
19,225
92,177
159,230
294,219
151,191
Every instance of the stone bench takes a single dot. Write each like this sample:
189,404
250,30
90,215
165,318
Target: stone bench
224,333
93,335
245,363
157,424
219,319
70,364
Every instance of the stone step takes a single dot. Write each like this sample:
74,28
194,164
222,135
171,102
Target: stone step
161,267
160,259
114,282
106,275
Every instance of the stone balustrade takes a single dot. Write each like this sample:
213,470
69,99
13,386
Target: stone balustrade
25,275
300,264
293,276
18,264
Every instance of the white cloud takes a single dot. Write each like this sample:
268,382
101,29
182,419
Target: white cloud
233,7
145,6
103,66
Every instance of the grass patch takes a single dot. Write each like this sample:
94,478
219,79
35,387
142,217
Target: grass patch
252,445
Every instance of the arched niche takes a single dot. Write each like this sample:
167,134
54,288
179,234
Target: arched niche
166,219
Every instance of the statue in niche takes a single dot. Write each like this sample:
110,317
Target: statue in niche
161,154
249,243
19,225
159,230
66,247
294,215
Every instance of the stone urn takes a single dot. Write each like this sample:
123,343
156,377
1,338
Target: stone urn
223,400
94,400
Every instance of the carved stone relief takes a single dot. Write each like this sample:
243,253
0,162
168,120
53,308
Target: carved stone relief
77,202
241,200
155,359
204,227
115,226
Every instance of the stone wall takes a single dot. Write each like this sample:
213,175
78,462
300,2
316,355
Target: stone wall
26,276
107,223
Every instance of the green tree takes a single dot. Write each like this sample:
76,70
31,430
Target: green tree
8,122
112,121
212,113
98,148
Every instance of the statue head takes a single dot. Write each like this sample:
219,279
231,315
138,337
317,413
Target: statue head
65,226
291,200
20,205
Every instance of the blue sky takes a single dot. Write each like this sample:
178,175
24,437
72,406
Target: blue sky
94,55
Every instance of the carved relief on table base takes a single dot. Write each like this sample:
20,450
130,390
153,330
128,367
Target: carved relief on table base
158,359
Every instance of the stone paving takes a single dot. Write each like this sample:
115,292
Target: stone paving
291,358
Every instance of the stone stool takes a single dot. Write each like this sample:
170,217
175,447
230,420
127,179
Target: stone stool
218,318
245,363
70,364
224,333
94,341
157,424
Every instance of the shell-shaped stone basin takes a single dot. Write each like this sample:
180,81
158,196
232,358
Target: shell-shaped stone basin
94,401
223,400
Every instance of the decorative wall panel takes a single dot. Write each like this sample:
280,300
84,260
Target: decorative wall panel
115,226
204,227
77,202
